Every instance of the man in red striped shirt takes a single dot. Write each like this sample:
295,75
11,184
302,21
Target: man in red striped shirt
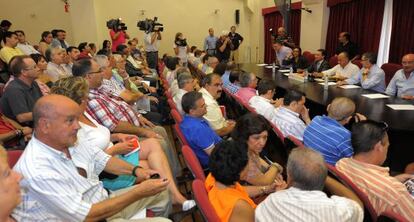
386,193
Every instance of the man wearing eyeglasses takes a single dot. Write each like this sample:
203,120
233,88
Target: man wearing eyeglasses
22,93
386,193
402,84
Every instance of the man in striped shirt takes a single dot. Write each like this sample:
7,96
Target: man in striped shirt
54,189
327,134
386,193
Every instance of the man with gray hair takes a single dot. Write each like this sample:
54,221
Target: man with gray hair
185,84
56,68
304,199
248,83
212,62
328,135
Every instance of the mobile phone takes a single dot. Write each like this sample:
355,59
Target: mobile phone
155,176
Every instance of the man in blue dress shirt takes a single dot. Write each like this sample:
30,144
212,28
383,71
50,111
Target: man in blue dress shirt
210,42
402,84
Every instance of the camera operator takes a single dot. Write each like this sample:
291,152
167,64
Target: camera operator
151,41
224,47
181,48
118,35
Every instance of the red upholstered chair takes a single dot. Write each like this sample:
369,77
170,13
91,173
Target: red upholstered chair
176,116
391,216
180,135
168,94
172,104
361,195
13,156
309,57
203,203
296,141
193,163
278,132
357,62
390,69
333,61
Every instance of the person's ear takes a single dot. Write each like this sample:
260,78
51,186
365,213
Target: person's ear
328,108
379,147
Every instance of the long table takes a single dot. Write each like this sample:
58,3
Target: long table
401,123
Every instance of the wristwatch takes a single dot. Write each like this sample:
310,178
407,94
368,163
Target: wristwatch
134,169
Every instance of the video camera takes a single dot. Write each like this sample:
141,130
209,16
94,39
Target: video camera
150,25
116,25
181,42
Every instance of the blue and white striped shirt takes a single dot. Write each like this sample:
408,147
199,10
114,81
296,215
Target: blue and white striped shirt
233,88
328,137
52,188
289,122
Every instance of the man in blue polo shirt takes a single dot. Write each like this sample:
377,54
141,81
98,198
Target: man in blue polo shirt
327,134
200,136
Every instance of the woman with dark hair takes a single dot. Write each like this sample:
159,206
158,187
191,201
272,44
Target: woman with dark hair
297,61
252,129
45,40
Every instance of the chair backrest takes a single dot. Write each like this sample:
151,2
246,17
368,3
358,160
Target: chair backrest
390,69
391,216
203,203
193,163
296,141
172,104
13,156
309,57
361,195
357,62
278,132
168,93
176,115
180,135
333,61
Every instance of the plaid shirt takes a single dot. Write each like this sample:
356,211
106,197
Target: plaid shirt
109,111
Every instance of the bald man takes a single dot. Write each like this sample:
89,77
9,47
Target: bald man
283,37
56,190
344,70
328,135
402,84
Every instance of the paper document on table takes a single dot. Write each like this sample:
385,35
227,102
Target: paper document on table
401,106
269,67
376,96
263,64
350,87
284,70
146,82
329,83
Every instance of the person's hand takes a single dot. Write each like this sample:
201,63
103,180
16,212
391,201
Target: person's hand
359,117
231,123
404,177
340,77
151,187
277,103
152,89
318,74
278,184
153,99
408,97
122,148
143,174
125,137
27,130
340,83
151,134
304,113
144,122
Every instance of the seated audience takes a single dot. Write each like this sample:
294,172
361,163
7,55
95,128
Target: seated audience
293,116
402,84
252,129
4,27
185,84
23,45
59,39
12,134
203,64
44,44
56,68
327,134
320,64
172,63
93,50
282,52
174,85
297,61
370,76
149,156
304,200
344,70
73,55
24,87
345,45
197,58
227,84
84,50
264,103
211,90
233,83
10,48
364,168
9,188
199,135
230,200
248,83
212,62
43,79
53,188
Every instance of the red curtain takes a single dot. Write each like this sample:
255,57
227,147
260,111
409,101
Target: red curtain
361,18
402,30
274,20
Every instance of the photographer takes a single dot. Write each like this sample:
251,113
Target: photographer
151,41
224,47
181,48
118,33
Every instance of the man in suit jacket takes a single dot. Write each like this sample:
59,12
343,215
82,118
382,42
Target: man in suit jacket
320,64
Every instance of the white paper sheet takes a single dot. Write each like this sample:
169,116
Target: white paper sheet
263,64
329,83
140,215
284,70
350,87
146,82
401,106
268,67
376,96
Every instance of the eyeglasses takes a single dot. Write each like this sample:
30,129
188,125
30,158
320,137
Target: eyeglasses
99,71
31,68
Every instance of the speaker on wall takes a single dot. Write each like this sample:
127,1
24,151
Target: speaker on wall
237,16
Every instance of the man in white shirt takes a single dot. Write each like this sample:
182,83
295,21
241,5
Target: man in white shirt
54,189
282,52
211,90
293,116
151,41
264,103
304,199
344,70
56,68
23,45
185,84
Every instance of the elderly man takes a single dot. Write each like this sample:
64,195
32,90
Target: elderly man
56,68
210,42
23,45
293,116
402,84
386,193
344,70
320,64
10,49
264,103
304,200
22,93
283,37
56,190
211,90
224,47
327,134
185,84
248,83
345,45
282,52
370,76
212,62
200,136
